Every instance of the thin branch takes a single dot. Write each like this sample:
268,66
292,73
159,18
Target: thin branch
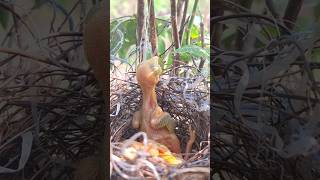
216,31
175,32
202,44
292,12
153,30
270,5
62,34
7,7
16,27
140,22
239,41
67,17
46,60
179,8
182,24
195,5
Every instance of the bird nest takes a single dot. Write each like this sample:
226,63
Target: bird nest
49,118
266,105
187,101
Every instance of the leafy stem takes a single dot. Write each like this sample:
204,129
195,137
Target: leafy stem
195,5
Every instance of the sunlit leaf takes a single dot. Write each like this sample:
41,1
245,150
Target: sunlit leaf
195,51
123,33
161,45
122,36
185,57
195,32
169,61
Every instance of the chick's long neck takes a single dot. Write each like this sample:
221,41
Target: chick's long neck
149,98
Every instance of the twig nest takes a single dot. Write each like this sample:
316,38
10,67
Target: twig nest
186,100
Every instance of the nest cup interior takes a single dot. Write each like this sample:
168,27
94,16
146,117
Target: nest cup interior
126,98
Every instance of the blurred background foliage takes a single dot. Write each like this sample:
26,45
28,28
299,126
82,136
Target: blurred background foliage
123,34
162,8
51,108
265,62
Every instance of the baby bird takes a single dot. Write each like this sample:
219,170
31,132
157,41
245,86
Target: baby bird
158,125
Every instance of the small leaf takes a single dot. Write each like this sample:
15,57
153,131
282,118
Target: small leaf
317,11
62,2
4,17
170,61
242,85
185,57
195,51
38,3
228,38
280,64
149,53
123,34
195,32
161,45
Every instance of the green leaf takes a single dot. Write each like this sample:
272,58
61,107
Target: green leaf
315,55
129,32
186,57
149,53
169,61
123,36
195,32
38,3
62,2
123,32
198,43
160,6
304,24
272,31
193,50
4,17
161,45
317,11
